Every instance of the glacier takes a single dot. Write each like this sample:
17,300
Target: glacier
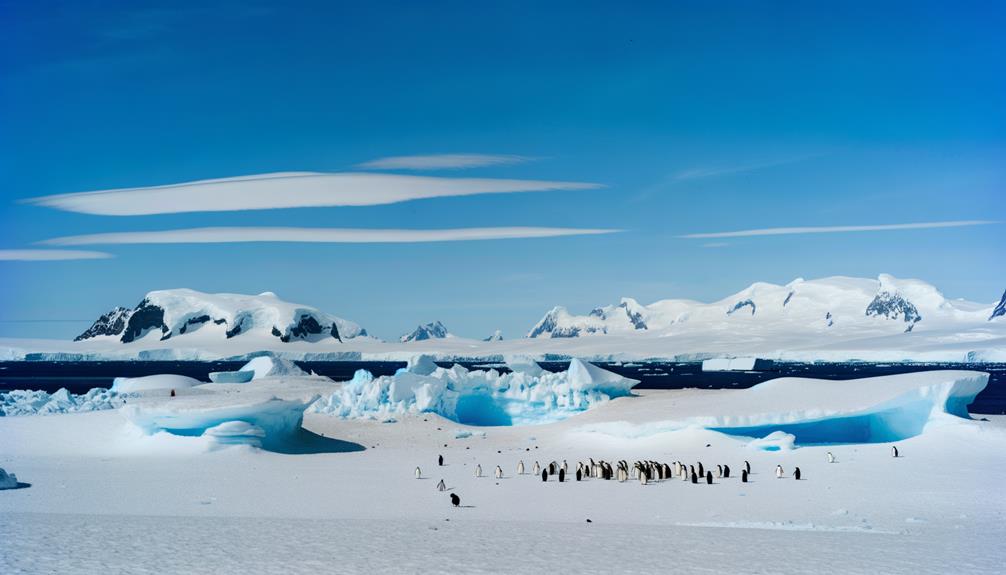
526,396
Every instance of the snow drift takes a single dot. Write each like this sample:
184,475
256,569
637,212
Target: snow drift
525,396
35,402
160,382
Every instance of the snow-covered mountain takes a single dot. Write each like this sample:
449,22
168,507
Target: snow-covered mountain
496,336
839,305
177,313
435,330
1000,310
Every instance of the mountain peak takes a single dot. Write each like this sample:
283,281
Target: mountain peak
435,330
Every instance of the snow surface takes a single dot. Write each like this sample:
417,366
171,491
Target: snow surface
353,505
152,383
522,397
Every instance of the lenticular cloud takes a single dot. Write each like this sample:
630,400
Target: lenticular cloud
288,190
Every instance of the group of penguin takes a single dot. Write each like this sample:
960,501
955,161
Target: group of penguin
643,471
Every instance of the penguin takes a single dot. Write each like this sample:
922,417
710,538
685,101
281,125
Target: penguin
726,471
544,475
552,468
709,477
642,477
831,458
677,468
440,460
499,472
778,471
747,466
564,467
520,467
455,500
562,475
744,475
894,451
667,472
684,474
701,471
441,486
695,478
719,471
419,474
796,474
536,469
478,471
579,474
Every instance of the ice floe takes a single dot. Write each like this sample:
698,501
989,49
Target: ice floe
36,402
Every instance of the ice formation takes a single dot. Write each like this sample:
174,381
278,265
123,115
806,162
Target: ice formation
272,366
35,402
525,396
153,383
7,480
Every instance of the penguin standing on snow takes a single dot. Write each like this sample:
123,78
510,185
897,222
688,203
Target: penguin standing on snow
478,471
796,474
719,472
701,470
744,475
747,466
894,451
831,458
562,475
579,474
695,478
536,469
441,486
499,472
455,500
440,460
726,471
520,467
419,473
544,475
778,471
642,477
709,477
564,467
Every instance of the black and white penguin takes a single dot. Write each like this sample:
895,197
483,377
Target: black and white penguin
726,471
552,468
499,472
440,460
643,477
579,474
709,477
536,470
701,469
747,466
562,475
831,457
419,474
478,471
894,451
520,467
695,478
455,500
778,471
564,466
719,471
544,475
744,475
441,486
796,474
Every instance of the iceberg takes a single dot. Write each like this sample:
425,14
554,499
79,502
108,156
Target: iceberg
153,383
271,366
7,480
36,402
526,396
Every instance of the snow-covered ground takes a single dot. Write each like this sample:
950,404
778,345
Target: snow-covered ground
107,497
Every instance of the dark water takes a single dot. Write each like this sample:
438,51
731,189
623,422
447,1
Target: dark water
79,377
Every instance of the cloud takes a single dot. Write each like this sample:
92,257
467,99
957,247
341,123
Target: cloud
716,245
288,190
50,255
442,162
317,235
838,229
713,171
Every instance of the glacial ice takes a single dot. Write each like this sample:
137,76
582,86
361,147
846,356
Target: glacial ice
523,397
35,402
272,366
153,383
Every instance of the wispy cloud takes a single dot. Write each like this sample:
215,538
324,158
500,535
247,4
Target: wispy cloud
317,235
722,170
839,229
716,245
442,162
288,190
50,255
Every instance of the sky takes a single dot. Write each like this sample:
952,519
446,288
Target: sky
595,150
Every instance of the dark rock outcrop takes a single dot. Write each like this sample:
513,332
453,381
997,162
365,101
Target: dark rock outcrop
111,323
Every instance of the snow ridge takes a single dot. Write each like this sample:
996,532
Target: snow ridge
435,330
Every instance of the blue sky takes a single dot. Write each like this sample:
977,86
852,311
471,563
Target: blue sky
694,118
